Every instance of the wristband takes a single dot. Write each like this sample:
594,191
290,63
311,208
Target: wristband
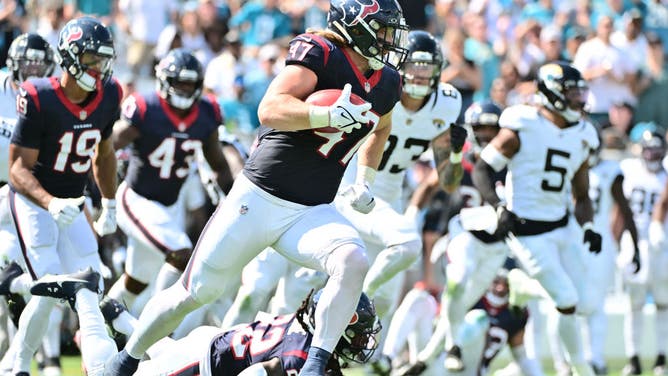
493,157
108,203
588,226
456,157
318,116
365,175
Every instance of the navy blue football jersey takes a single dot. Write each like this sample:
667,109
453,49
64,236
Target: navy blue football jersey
160,157
281,337
504,325
66,134
306,166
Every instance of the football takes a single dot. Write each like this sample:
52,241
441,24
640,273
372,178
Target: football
327,97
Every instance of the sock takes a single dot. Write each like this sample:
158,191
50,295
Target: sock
125,323
633,328
316,361
96,346
32,327
437,343
554,341
598,329
161,316
21,284
570,338
119,292
51,342
661,322
166,277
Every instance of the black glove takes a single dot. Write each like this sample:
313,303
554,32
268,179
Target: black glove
412,369
506,222
636,260
457,138
594,240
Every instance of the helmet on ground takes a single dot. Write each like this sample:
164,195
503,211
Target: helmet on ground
358,341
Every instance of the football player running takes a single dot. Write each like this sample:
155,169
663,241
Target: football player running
166,130
474,255
545,149
644,182
282,198
424,117
29,56
63,130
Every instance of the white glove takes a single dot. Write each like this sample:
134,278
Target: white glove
657,236
360,198
215,193
343,114
106,222
65,210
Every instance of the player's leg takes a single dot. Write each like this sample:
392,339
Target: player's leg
471,336
659,286
541,257
134,281
51,343
323,240
258,281
228,242
294,286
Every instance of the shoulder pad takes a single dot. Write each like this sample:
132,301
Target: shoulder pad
518,117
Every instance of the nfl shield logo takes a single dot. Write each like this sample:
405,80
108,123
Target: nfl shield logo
182,127
83,115
243,209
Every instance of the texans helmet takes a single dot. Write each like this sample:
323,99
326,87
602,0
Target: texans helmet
653,150
483,118
29,55
422,69
562,89
86,51
358,341
180,78
375,29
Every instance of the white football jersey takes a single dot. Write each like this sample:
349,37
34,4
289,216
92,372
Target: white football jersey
642,188
601,178
8,118
411,136
539,175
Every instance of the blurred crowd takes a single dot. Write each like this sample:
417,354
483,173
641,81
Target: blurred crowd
493,47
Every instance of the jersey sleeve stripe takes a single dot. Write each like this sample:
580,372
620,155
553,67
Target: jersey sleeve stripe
318,39
32,91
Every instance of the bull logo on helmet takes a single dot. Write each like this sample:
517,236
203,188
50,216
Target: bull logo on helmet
354,319
74,33
354,14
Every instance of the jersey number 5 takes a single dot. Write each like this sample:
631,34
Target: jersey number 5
555,185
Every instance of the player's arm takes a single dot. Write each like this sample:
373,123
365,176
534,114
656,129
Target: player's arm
528,366
271,367
494,158
448,164
282,106
584,211
21,162
661,206
371,152
104,168
423,194
623,208
124,133
213,153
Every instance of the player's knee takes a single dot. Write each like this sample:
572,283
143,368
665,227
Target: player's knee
348,261
133,285
410,251
179,259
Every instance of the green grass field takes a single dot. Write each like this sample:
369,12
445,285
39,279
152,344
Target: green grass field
72,367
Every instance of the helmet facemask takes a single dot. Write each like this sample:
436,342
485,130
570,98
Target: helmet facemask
29,56
181,90
420,77
92,68
653,151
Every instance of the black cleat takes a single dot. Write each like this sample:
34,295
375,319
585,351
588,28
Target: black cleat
599,369
66,286
633,367
453,359
111,309
659,368
7,275
15,305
